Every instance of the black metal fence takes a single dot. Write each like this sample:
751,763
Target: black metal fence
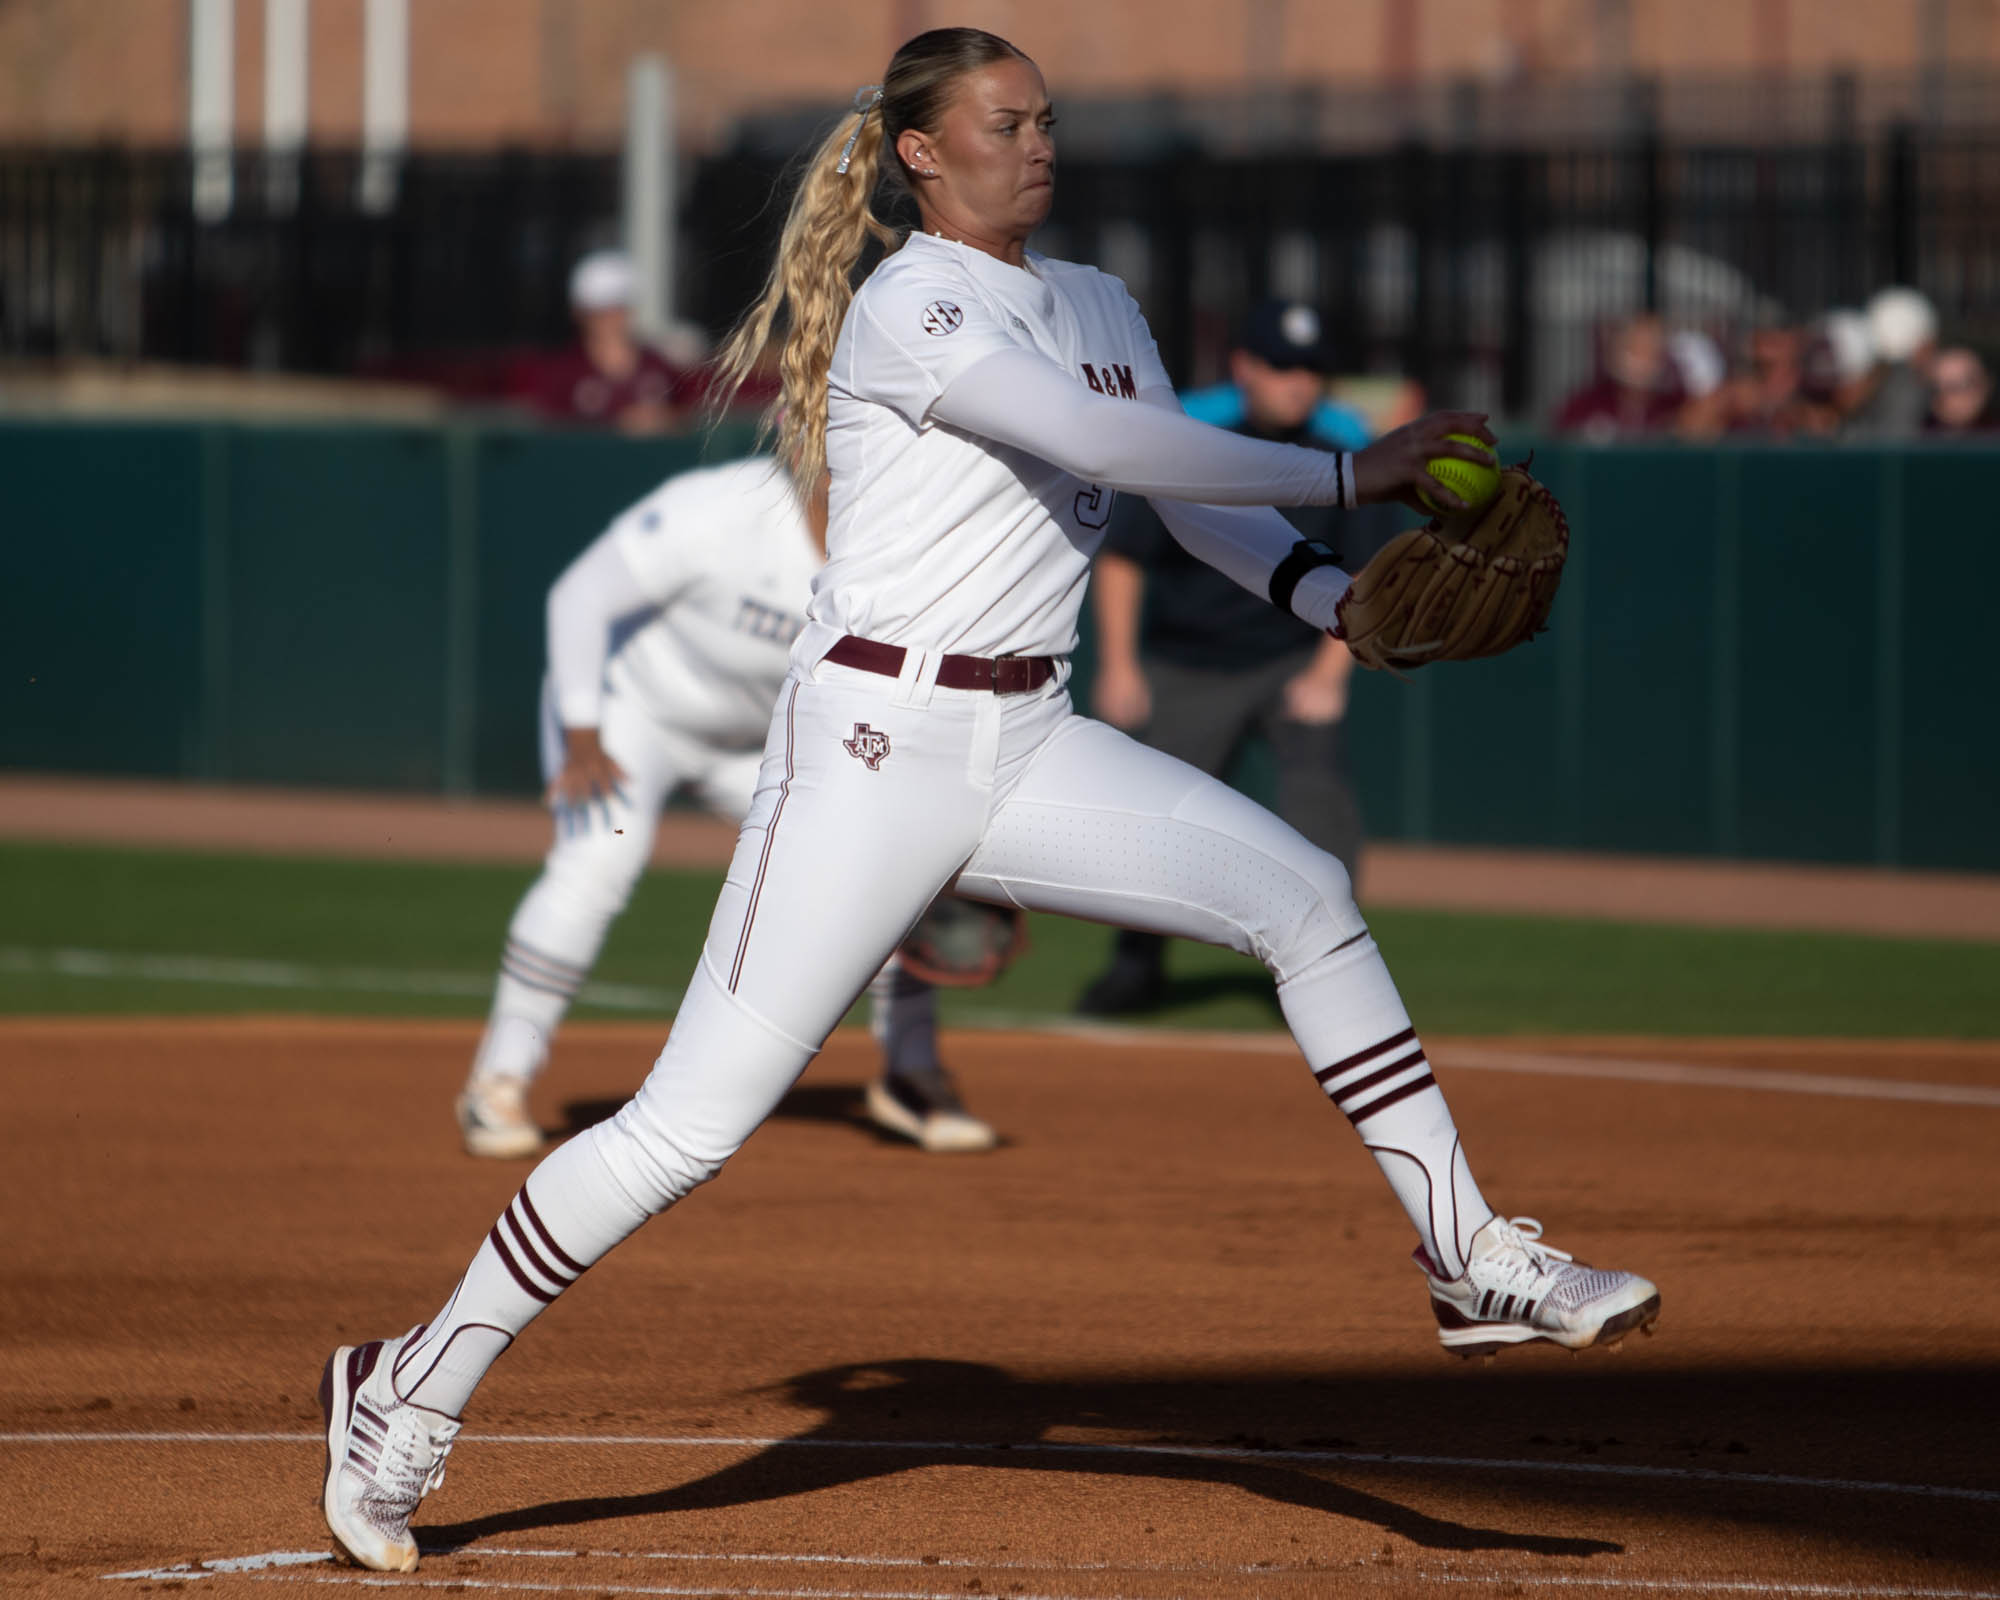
1485,272
103,253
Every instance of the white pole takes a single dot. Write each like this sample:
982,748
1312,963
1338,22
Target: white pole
212,104
385,99
286,37
649,203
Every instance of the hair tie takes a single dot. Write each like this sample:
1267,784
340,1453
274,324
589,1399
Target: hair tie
866,99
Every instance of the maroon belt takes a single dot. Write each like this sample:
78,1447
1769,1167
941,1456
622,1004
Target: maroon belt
1000,674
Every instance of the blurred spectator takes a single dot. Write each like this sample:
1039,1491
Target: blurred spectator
1638,393
1835,370
1702,371
1768,396
1962,397
1902,326
607,377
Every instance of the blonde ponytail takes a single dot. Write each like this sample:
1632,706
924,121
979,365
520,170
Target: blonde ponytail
811,282
829,226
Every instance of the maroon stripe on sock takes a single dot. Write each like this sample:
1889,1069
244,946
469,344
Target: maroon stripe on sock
530,1255
536,976
555,966
1391,1098
1359,1056
542,985
547,1238
506,1260
1348,1093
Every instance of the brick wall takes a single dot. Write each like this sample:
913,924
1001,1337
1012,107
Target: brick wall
552,71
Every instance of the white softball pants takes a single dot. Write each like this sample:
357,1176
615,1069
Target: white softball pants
874,794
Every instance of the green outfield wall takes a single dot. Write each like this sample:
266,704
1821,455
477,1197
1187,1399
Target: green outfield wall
1762,652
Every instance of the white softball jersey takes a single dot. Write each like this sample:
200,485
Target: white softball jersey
978,416
978,540
724,557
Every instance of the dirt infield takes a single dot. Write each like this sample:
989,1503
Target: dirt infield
1638,889
1165,1342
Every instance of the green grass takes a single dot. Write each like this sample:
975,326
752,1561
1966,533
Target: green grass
363,924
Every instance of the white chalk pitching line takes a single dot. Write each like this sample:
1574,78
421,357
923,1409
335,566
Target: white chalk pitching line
265,1567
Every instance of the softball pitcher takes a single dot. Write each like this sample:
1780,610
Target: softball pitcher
668,639
978,405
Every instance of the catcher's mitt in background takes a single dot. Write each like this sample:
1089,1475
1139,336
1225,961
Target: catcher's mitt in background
963,944
1470,584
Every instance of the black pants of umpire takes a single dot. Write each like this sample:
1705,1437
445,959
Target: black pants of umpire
1204,715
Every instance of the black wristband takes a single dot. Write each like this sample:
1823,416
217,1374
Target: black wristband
1301,559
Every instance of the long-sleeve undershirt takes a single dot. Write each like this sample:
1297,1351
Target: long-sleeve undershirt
1213,489
1016,397
597,591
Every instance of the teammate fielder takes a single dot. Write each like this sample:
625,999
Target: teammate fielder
978,406
668,640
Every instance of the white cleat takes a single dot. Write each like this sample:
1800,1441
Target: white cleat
382,1456
1516,1290
923,1106
493,1119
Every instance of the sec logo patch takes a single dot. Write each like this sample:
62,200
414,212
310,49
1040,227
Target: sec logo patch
941,317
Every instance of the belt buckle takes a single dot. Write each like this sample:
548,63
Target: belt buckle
1013,674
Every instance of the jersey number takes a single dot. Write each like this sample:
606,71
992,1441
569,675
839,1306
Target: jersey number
1093,505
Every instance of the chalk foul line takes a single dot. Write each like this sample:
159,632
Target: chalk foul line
1481,1058
232,972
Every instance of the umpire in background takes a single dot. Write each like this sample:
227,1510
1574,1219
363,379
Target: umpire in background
1194,664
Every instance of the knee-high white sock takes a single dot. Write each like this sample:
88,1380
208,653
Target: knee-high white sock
549,952
722,1072
1350,1022
902,1015
569,1213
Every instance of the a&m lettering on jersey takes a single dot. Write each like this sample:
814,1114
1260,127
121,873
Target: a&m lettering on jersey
1112,380
766,622
1093,504
867,746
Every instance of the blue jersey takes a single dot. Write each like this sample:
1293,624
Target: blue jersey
1331,427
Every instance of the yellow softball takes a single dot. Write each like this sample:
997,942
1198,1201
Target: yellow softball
1473,482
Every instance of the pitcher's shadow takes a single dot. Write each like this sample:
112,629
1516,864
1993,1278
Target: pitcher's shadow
868,1405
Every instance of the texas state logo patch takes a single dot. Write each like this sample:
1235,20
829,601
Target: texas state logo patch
867,746
941,317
